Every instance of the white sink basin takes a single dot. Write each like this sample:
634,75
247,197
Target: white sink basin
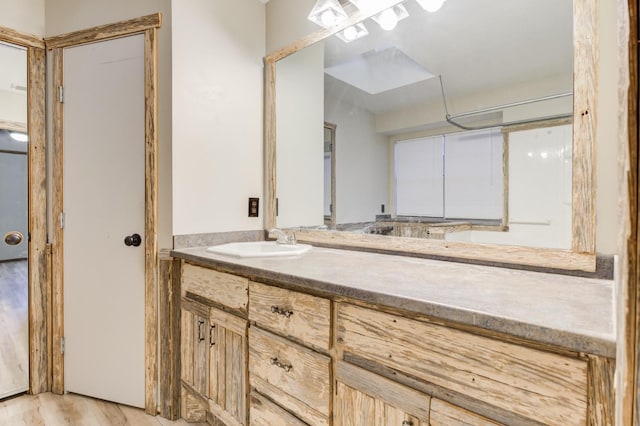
259,249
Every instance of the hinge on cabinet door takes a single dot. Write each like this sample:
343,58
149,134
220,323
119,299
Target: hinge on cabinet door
62,345
62,217
61,94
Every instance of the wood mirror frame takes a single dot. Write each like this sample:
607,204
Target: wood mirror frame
39,291
580,257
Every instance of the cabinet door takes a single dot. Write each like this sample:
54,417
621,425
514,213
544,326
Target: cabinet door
363,398
193,345
227,386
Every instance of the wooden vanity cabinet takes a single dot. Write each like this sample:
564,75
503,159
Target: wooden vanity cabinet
263,355
213,349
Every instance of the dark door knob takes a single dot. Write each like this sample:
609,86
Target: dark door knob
132,240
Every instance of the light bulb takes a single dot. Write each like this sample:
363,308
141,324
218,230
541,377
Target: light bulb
432,5
20,137
350,33
328,18
388,19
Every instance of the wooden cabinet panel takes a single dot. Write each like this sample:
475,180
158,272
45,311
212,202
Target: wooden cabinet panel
193,347
265,413
228,290
291,314
227,366
366,399
541,386
445,414
293,369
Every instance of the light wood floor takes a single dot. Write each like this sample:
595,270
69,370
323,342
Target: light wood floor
48,409
14,339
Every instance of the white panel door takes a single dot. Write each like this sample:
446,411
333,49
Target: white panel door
104,203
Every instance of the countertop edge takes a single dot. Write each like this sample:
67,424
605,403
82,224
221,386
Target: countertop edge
592,344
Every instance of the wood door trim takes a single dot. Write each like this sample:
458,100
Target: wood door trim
104,32
21,39
151,218
628,299
39,286
14,126
39,290
148,26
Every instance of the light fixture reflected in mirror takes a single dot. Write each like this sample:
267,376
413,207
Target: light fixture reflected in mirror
431,5
389,18
19,137
327,13
352,33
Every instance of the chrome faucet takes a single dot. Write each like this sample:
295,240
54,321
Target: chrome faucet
284,238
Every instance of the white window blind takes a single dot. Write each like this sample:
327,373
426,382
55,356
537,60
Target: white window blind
457,176
419,180
473,175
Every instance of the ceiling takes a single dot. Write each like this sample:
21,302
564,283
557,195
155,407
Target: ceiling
475,45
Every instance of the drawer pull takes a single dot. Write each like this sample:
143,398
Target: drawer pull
201,330
277,363
407,423
212,335
278,310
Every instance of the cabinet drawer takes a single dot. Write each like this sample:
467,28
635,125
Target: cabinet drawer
225,289
289,313
290,372
445,414
265,413
545,387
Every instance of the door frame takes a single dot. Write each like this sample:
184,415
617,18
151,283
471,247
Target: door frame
39,291
332,129
146,25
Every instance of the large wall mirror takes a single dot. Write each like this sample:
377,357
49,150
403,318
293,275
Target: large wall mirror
14,337
24,289
465,132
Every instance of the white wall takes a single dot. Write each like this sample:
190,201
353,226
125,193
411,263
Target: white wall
218,48
608,217
63,16
362,163
26,16
287,22
13,106
300,136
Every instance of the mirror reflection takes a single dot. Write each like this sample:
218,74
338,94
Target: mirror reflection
453,124
14,361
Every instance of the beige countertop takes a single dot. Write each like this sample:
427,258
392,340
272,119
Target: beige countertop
570,312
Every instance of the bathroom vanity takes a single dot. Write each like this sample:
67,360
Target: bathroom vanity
337,337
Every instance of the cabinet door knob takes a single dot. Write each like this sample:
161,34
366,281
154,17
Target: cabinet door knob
284,312
212,335
201,330
407,423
